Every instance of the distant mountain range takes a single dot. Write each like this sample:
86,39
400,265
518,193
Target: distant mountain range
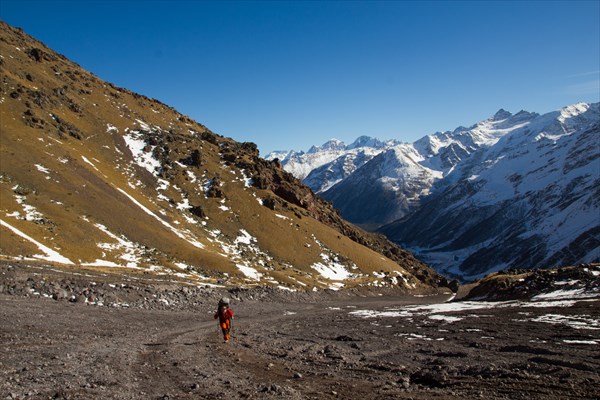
323,166
515,190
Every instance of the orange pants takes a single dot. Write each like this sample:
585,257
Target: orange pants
226,327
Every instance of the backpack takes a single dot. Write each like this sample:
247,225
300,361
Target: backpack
224,301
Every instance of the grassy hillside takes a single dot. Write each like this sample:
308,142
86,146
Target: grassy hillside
95,176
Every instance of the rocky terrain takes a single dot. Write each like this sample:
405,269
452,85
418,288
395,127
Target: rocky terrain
136,338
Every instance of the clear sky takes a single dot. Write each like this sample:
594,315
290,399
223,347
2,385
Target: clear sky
287,75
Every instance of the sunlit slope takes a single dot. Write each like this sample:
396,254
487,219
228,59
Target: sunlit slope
95,176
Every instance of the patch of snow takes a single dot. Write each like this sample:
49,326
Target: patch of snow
184,205
110,264
593,342
110,128
249,272
331,269
444,308
566,294
89,162
131,252
41,168
145,159
574,321
445,318
31,213
246,179
286,288
162,184
192,176
143,125
245,238
50,255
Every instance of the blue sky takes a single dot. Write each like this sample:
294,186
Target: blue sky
287,75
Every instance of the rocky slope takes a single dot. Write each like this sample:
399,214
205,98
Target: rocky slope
582,281
95,176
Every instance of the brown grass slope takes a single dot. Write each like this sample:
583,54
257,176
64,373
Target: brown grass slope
75,181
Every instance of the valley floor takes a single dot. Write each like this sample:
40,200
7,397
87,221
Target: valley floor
401,347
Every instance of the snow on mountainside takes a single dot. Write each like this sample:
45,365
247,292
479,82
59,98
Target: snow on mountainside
392,184
323,166
514,190
530,200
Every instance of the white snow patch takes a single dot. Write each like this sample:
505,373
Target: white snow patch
331,270
144,159
184,205
574,321
245,238
249,272
131,252
31,213
446,318
50,255
563,283
41,168
89,162
566,294
110,264
439,311
192,176
594,342
111,128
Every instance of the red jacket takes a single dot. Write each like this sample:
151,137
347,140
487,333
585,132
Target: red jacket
224,315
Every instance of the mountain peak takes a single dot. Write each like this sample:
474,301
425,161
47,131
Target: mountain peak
331,144
501,114
366,141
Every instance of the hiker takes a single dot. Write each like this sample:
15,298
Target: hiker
225,315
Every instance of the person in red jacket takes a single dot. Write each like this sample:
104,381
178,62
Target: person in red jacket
225,315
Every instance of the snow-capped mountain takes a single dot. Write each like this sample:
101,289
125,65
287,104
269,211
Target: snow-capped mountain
514,190
530,198
392,184
323,166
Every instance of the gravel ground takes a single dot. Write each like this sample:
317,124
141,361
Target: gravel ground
287,346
